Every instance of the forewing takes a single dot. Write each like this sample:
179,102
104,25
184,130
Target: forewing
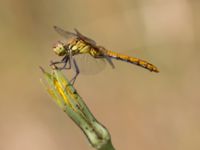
64,33
85,38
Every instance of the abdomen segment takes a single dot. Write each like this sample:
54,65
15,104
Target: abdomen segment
133,60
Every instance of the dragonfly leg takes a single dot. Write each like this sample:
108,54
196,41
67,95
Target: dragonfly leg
65,65
72,81
66,61
63,61
55,63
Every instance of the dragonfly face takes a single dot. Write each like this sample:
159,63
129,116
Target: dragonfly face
64,49
60,49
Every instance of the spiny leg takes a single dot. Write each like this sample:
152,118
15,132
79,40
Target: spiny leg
66,60
54,63
63,61
72,81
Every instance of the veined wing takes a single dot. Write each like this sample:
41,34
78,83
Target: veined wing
64,33
68,34
85,38
87,64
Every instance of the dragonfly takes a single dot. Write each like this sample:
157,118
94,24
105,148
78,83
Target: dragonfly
77,44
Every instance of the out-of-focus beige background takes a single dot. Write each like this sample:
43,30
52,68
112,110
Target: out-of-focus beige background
142,110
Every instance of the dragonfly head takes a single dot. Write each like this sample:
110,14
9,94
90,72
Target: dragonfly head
59,48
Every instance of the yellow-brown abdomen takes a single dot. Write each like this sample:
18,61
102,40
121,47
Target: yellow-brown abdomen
133,60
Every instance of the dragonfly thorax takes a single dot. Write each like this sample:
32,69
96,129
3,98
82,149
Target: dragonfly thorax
78,46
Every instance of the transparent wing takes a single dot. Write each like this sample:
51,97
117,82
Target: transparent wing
85,38
89,65
64,33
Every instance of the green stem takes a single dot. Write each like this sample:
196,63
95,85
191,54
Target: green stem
68,99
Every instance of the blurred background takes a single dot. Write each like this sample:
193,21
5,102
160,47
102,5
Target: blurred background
142,110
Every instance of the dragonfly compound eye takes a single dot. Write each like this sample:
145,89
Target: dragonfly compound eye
59,49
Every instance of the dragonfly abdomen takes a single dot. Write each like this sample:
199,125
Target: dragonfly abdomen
133,60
